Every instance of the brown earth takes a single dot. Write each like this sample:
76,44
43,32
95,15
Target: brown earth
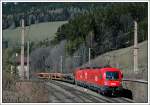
26,92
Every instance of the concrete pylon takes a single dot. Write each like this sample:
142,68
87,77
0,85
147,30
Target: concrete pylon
27,74
22,50
135,47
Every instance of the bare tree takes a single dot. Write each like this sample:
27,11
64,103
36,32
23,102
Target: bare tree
38,58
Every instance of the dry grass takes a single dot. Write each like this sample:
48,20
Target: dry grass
23,91
35,33
123,59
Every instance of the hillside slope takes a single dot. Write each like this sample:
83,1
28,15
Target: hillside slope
36,32
123,59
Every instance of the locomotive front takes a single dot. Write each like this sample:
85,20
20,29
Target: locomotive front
112,83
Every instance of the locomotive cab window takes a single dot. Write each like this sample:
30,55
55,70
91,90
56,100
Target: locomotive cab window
112,75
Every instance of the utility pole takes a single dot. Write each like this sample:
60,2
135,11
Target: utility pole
89,56
61,63
91,34
22,50
135,47
28,60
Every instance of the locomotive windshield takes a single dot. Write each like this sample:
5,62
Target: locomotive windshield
112,75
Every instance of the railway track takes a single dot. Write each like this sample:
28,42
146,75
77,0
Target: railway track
62,92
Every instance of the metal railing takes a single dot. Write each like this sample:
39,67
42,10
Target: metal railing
136,80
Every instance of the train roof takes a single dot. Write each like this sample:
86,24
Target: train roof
96,67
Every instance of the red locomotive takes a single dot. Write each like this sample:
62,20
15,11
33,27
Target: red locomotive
105,80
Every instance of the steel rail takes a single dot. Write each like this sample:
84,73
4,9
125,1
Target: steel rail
136,80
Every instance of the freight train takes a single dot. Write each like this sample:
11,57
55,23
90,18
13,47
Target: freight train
104,80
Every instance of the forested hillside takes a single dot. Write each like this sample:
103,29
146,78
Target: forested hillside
43,12
105,29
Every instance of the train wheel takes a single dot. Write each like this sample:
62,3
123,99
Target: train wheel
112,93
99,91
103,93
